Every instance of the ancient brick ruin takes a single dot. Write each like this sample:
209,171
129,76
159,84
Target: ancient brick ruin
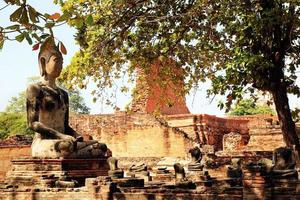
138,136
155,91
159,142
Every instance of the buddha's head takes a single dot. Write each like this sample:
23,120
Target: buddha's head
50,59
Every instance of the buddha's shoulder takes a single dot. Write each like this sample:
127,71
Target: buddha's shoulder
63,92
34,90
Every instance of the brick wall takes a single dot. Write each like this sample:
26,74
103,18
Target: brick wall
134,135
110,124
209,129
264,132
7,153
140,134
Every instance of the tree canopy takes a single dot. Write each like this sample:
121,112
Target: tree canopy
249,107
238,45
12,124
236,48
17,104
76,103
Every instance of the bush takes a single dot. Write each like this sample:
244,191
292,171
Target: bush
12,124
248,107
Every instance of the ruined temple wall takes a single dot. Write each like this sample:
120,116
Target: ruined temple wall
135,135
261,121
151,142
264,132
258,132
184,122
124,133
141,135
209,127
215,128
265,141
7,153
110,125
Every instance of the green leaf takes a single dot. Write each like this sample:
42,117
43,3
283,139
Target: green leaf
124,89
20,37
36,37
24,18
12,27
49,24
40,28
28,38
15,16
33,14
46,15
44,36
65,16
78,22
13,2
90,20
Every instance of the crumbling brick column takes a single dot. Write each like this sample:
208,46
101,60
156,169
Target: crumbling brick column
160,89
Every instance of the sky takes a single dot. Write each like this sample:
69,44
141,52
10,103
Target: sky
18,62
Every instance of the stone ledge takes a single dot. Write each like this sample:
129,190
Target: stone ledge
27,160
14,146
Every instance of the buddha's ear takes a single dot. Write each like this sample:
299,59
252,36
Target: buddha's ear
42,65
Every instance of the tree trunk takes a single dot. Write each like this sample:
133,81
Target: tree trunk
285,118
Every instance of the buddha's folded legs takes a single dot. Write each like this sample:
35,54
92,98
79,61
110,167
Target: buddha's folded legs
50,148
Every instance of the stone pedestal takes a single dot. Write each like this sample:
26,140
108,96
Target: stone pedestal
282,187
143,174
129,182
167,177
44,172
194,175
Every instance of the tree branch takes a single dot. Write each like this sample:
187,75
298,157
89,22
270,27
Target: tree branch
4,7
287,40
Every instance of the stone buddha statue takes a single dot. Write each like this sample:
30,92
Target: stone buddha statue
195,164
48,113
284,164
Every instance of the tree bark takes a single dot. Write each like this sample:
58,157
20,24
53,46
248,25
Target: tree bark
285,118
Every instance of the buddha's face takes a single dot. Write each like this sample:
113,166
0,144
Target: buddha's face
54,66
